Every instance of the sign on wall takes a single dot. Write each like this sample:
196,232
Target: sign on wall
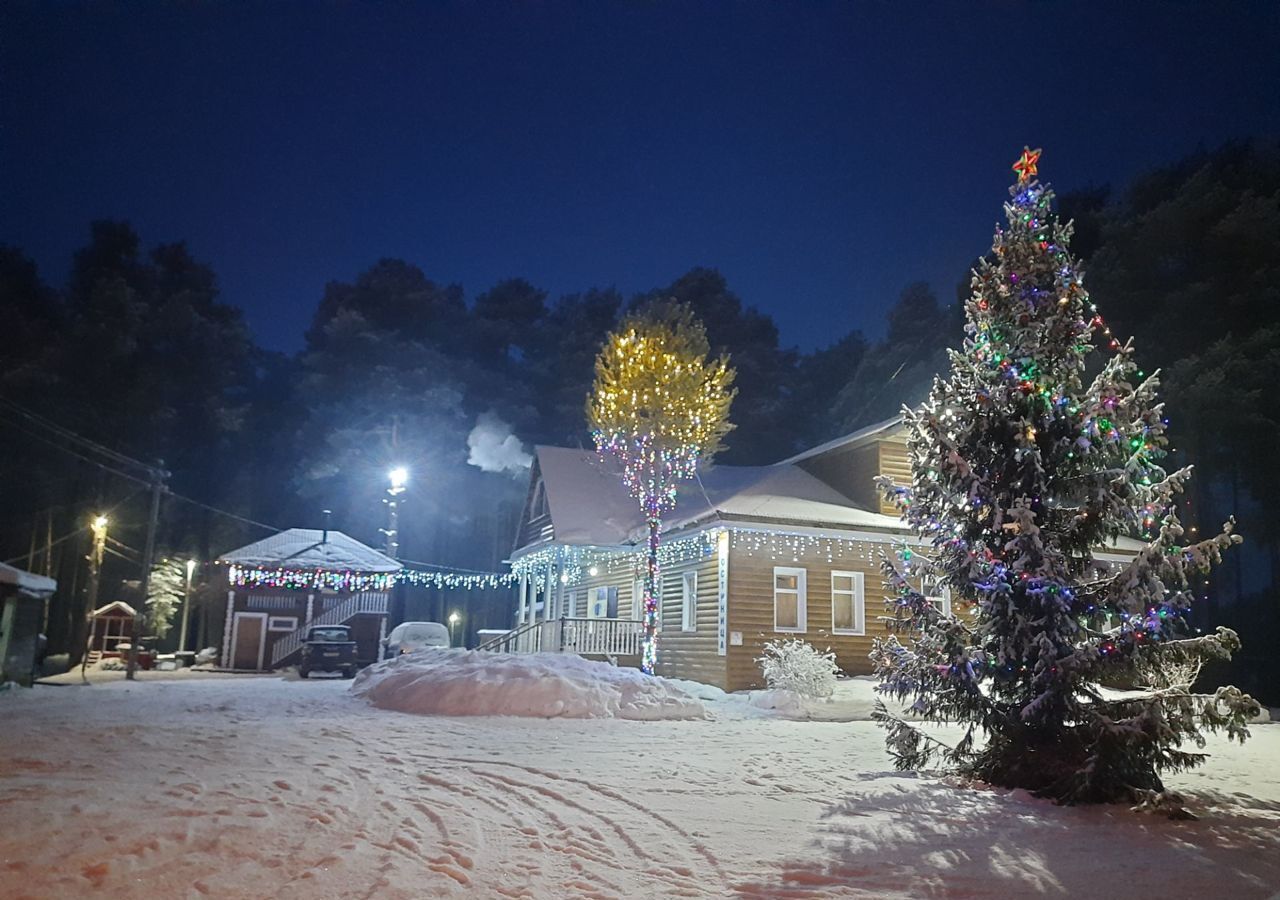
722,592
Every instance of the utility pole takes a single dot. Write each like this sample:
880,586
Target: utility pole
99,528
158,476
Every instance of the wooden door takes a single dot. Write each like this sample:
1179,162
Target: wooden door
250,629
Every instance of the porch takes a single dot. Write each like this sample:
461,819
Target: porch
611,638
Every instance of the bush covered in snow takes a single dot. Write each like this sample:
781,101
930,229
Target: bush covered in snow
796,665
543,685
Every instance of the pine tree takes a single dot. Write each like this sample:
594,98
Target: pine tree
1021,473
659,405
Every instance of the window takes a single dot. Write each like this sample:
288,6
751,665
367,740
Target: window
637,599
938,595
689,601
789,599
848,613
539,506
282,623
604,603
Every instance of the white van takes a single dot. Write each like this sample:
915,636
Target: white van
410,636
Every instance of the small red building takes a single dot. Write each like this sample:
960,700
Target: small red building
280,586
110,625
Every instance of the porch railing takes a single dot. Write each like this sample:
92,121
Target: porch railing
584,636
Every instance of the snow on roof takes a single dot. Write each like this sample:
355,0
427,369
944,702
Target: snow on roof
588,503
848,440
27,582
590,506
116,606
311,548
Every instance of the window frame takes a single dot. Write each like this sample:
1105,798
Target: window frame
689,601
801,591
273,623
857,595
941,599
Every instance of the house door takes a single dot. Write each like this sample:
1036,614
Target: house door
247,637
637,599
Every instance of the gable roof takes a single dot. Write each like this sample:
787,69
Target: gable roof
311,548
590,506
116,606
861,436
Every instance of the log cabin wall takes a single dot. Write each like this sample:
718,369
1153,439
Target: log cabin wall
751,605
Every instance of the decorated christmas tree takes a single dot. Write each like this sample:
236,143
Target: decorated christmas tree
660,405
1040,453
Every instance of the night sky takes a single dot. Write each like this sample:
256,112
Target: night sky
820,155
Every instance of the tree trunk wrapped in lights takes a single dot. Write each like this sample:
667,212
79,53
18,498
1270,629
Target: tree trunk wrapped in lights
1020,472
659,404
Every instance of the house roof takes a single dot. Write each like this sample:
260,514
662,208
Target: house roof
27,582
590,506
852,439
311,548
115,606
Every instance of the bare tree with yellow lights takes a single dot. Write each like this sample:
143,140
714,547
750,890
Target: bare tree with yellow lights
660,404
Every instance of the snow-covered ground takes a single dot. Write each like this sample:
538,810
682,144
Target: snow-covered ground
187,785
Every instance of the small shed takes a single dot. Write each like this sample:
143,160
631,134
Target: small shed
110,626
23,596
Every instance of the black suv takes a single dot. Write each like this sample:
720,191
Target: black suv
329,648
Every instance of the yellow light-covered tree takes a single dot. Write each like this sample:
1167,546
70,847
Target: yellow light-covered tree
660,404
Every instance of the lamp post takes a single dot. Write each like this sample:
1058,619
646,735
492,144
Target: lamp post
186,607
98,527
398,478
453,620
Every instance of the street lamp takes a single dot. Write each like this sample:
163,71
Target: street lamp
398,478
186,607
454,618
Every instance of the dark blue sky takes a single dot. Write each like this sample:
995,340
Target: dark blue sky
821,155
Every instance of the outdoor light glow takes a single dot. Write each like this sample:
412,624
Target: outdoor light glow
100,522
453,618
191,568
399,477
593,571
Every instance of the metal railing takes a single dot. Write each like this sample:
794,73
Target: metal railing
584,636
374,602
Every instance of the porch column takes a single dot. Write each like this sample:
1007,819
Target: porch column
547,593
226,630
311,599
523,597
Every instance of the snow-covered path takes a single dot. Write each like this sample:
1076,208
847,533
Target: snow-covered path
230,786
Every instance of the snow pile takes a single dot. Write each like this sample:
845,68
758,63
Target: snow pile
540,685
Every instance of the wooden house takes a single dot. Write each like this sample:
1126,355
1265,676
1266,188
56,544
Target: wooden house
749,555
280,586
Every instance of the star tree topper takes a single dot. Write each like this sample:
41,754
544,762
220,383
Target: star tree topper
1026,165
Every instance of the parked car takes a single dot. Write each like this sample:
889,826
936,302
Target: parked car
410,636
328,648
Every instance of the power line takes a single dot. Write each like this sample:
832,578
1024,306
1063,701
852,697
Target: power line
78,438
223,512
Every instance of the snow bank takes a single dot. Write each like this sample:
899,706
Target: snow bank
540,685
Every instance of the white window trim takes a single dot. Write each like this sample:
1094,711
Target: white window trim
801,591
598,603
944,595
859,598
688,601
282,623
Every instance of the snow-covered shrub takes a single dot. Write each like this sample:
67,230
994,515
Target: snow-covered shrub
796,665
